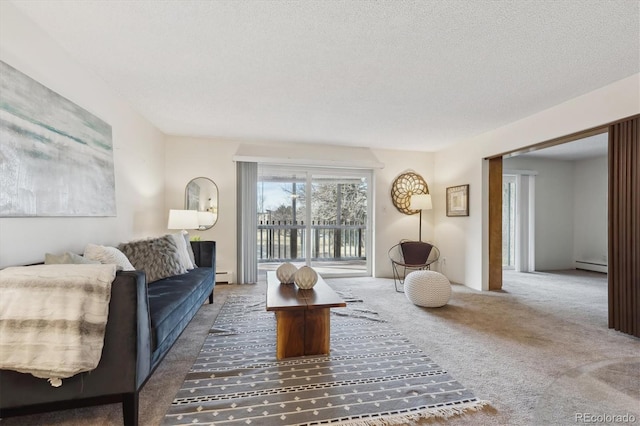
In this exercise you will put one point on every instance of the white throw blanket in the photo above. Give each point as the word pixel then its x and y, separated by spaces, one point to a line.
pixel 53 318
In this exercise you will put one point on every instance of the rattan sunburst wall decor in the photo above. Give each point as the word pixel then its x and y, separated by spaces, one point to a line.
pixel 403 187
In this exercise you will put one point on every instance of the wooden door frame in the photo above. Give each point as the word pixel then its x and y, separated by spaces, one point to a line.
pixel 495 223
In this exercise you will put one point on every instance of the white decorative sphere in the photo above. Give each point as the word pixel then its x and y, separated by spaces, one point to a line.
pixel 430 289
pixel 306 278
pixel 285 273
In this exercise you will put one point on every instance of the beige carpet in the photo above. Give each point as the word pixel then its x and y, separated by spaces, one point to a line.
pixel 539 350
pixel 517 347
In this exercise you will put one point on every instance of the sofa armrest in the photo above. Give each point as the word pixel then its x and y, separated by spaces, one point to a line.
pixel 130 305
pixel 124 366
pixel 205 253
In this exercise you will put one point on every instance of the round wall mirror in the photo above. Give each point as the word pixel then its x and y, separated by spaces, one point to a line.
pixel 201 194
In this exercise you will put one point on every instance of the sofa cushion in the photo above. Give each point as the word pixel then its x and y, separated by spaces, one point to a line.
pixel 158 257
pixel 173 301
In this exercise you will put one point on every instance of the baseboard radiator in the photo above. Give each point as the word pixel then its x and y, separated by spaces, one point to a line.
pixel 590 265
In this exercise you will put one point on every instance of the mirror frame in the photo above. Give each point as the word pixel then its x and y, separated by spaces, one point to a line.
pixel 213 205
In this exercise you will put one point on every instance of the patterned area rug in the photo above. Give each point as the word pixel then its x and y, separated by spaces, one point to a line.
pixel 373 376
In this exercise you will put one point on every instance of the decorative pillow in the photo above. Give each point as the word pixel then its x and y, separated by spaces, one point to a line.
pixel 67 258
pixel 157 257
pixel 108 255
pixel 192 255
pixel 182 250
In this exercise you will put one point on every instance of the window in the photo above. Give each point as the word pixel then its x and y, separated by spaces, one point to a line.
pixel 518 220
pixel 508 221
pixel 312 216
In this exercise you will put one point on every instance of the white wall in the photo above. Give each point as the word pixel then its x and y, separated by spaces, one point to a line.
pixel 138 152
pixel 187 158
pixel 459 238
pixel 590 241
pixel 554 210
pixel 464 240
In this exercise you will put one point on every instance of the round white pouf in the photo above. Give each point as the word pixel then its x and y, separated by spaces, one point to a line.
pixel 430 289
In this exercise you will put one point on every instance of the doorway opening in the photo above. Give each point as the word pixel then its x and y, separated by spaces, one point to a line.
pixel 528 238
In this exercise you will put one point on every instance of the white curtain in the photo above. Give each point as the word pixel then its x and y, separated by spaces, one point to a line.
pixel 247 222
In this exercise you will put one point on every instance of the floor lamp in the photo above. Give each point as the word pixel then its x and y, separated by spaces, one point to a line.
pixel 420 202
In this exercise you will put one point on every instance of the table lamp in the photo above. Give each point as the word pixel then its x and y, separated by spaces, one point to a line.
pixel 183 219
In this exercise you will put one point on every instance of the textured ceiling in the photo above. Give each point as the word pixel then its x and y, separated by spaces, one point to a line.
pixel 581 149
pixel 390 74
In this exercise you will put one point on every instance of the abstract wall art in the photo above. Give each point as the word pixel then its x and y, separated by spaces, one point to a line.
pixel 56 158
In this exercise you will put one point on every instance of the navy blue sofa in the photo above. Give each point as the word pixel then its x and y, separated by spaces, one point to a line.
pixel 144 322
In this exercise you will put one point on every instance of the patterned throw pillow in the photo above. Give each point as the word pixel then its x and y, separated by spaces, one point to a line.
pixel 108 255
pixel 67 258
pixel 157 257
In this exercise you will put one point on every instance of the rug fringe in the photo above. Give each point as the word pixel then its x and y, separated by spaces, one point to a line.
pixel 410 418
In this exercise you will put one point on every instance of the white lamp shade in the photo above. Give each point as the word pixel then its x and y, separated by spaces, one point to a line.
pixel 183 219
pixel 421 202
pixel 206 219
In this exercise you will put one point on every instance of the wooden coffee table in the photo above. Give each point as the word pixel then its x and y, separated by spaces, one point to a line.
pixel 302 316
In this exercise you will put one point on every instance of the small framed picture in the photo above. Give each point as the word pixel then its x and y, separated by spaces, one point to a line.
pixel 458 200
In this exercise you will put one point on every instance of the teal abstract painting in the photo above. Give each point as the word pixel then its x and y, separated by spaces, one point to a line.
pixel 56 158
